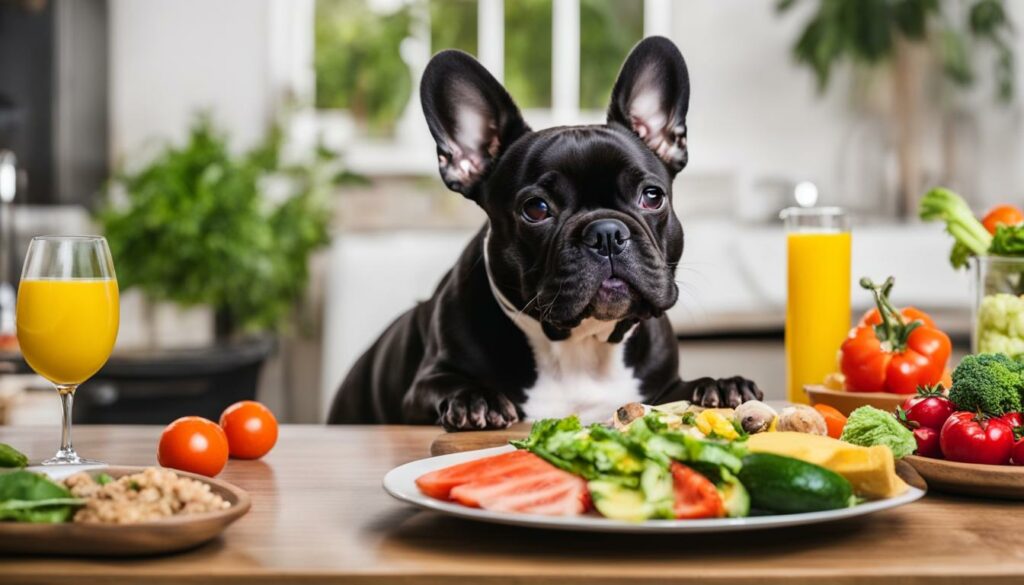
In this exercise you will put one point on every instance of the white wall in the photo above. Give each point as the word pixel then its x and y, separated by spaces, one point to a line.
pixel 751 111
pixel 169 60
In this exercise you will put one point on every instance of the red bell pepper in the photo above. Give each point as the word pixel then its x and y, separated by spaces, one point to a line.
pixel 893 351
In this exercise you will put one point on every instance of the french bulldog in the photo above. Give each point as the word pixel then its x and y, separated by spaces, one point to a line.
pixel 557 306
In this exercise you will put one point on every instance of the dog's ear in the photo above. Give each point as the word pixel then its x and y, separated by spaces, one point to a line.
pixel 651 97
pixel 471 116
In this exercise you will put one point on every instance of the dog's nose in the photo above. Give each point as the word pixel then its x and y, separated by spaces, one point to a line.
pixel 607 237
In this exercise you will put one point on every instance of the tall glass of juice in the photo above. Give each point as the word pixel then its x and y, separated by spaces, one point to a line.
pixel 818 294
pixel 67 318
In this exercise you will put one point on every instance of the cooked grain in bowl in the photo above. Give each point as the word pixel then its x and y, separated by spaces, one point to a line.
pixel 142 497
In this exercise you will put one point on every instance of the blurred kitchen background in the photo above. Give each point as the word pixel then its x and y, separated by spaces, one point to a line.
pixel 265 177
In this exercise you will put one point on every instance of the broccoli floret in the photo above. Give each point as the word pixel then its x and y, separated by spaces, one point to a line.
pixel 988 382
pixel 945 205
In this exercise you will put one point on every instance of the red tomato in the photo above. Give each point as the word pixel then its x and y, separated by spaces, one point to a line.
pixel 928 410
pixel 1018 452
pixel 968 438
pixel 695 495
pixel 1008 215
pixel 251 429
pixel 1013 419
pixel 927 442
pixel 194 444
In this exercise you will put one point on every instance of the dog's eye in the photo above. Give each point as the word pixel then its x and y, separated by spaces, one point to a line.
pixel 536 209
pixel 652 198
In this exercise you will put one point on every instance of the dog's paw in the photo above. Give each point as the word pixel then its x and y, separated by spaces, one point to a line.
pixel 466 411
pixel 724 392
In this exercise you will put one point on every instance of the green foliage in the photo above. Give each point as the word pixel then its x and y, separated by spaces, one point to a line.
pixel 357 61
pixel 528 52
pixel 608 30
pixel 453 25
pixel 195 227
pixel 867 31
pixel 359 68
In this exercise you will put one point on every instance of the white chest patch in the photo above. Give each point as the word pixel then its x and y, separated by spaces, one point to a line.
pixel 582 375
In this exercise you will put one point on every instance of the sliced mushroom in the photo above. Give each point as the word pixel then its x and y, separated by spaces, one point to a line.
pixel 754 416
pixel 802 419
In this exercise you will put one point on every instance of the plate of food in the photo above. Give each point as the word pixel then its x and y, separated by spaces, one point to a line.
pixel 113 511
pixel 677 472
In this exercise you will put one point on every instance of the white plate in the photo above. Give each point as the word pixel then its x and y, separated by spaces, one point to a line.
pixel 400 482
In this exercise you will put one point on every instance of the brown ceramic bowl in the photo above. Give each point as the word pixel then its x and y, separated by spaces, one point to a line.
pixel 846 402
pixel 973 479
pixel 121 540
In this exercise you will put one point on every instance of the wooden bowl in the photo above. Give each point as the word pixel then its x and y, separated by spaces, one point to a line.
pixel 973 479
pixel 846 402
pixel 122 540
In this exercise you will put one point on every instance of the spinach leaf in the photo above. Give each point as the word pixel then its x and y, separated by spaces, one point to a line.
pixel 31 497
pixel 11 457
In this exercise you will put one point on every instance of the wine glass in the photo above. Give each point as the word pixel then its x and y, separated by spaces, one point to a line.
pixel 67 318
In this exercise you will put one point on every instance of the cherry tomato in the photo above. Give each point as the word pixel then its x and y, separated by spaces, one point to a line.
pixel 968 438
pixel 928 410
pixel 834 420
pixel 695 495
pixel 1008 215
pixel 927 442
pixel 1013 419
pixel 194 444
pixel 251 429
pixel 1018 452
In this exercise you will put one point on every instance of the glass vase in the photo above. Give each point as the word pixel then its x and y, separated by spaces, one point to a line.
pixel 998 307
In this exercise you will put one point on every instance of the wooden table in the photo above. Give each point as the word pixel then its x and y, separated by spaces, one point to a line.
pixel 320 515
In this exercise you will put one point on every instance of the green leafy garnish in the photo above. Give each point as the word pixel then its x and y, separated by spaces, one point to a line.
pixel 32 497
pixel 11 457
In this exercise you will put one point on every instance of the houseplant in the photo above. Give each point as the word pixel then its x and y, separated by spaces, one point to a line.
pixel 906 38
pixel 200 225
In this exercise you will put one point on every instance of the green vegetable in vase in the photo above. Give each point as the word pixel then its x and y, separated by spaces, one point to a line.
pixel 990 383
pixel 868 426
pixel 972 239
pixel 11 457
pixel 1008 241
pixel 32 497
pixel 1001 325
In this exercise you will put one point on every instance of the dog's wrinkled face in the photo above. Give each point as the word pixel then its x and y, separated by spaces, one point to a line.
pixel 581 218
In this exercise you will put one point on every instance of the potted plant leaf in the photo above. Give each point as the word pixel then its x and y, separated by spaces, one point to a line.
pixel 199 225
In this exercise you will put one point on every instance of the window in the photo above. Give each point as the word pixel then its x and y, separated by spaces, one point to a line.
pixel 558 59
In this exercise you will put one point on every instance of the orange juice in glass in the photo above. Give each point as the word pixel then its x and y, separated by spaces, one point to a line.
pixel 67 318
pixel 818 294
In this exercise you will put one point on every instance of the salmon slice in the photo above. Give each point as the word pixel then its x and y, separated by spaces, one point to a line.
pixel 511 482
pixel 549 491
pixel 438 484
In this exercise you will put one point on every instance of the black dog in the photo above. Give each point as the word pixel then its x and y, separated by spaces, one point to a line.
pixel 557 305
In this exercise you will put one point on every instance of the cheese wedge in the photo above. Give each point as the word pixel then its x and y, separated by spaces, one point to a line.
pixel 871 470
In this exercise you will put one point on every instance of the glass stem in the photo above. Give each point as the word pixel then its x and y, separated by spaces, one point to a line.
pixel 67 400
